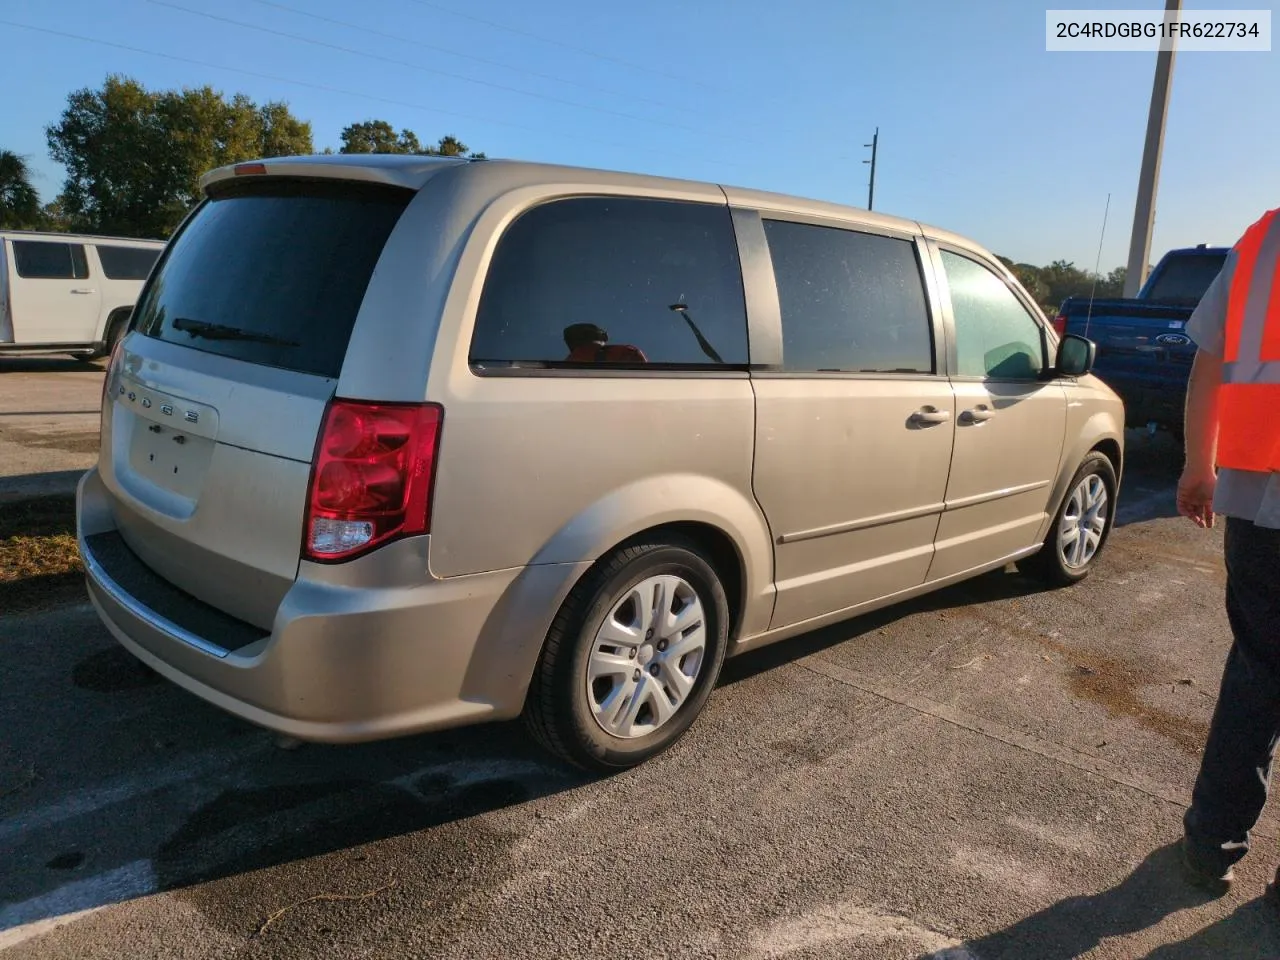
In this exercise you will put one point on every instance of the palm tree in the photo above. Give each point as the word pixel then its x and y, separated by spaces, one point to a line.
pixel 19 202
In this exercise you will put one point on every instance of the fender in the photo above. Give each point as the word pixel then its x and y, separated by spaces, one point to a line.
pixel 676 498
pixel 507 650
pixel 1100 427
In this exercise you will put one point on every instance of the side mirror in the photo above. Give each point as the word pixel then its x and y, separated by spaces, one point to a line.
pixel 1075 356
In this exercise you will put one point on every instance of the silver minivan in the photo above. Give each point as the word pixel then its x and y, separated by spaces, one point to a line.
pixel 396 444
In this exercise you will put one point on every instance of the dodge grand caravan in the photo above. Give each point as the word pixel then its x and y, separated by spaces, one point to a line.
pixel 396 444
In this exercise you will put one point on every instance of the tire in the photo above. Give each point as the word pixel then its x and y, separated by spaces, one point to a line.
pixel 568 714
pixel 1051 563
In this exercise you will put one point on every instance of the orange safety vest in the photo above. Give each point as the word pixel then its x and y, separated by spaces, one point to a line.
pixel 1249 402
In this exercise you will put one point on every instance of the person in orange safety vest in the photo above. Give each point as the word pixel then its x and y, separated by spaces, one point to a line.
pixel 1233 468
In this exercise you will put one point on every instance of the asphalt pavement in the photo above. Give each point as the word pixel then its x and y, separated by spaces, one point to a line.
pixel 49 411
pixel 990 772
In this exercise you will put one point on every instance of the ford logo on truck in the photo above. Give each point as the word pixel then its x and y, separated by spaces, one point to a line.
pixel 1172 339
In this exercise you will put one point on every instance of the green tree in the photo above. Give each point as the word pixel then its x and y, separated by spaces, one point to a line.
pixel 378 136
pixel 1064 279
pixel 134 157
pixel 1112 285
pixel 19 202
pixel 281 133
pixel 1029 277
pixel 54 217
pixel 452 147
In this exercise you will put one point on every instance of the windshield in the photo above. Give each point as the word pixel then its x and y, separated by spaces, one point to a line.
pixel 1183 279
pixel 273 272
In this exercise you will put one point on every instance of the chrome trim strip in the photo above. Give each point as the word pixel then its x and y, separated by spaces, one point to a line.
pixel 995 495
pixel 913 513
pixel 851 525
pixel 151 618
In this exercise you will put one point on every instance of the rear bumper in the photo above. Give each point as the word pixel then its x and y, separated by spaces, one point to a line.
pixel 360 651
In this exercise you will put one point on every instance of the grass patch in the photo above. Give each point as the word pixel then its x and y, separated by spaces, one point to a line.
pixel 40 564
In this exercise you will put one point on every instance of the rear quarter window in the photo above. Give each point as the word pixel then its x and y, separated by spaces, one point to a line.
pixel 127 263
pixel 272 272
pixel 614 282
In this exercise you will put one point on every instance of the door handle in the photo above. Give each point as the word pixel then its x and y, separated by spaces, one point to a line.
pixel 84 290
pixel 977 415
pixel 930 415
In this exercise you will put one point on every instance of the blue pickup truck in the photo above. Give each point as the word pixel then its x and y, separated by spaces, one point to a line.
pixel 1144 353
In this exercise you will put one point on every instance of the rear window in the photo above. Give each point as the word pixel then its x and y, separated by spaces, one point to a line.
pixel 614 282
pixel 272 272
pixel 127 263
pixel 42 260
pixel 1183 280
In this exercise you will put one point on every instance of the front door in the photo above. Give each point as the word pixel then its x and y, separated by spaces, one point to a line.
pixel 51 296
pixel 854 431
pixel 1010 421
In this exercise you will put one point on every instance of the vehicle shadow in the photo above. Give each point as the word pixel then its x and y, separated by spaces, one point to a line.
pixel 168 793
pixel 1154 890
pixel 992 587
pixel 49 364
pixel 30 486
pixel 1148 489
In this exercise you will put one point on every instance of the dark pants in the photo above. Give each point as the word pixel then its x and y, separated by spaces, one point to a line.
pixel 1236 770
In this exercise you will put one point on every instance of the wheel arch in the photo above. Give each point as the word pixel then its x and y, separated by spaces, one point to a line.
pixel 727 526
pixel 1098 434
pixel 717 548
pixel 116 319
pixel 727 523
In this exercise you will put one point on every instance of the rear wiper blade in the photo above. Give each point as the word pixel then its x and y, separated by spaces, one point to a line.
pixel 219 331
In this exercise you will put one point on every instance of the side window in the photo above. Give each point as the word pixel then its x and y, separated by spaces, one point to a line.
pixel 611 280
pixel 44 260
pixel 851 302
pixel 996 337
pixel 127 263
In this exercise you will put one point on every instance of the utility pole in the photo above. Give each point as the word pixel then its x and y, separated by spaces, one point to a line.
pixel 871 187
pixel 1144 211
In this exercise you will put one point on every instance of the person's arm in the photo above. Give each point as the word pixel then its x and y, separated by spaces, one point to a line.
pixel 1207 327
pixel 1199 476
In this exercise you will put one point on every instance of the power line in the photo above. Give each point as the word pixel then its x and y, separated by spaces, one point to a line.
pixel 390 36
pixel 330 89
pixel 467 56
pixel 568 46
pixel 445 73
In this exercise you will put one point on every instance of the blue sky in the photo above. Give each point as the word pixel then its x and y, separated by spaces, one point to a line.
pixel 982 131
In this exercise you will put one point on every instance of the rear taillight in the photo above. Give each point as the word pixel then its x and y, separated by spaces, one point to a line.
pixel 1060 324
pixel 113 371
pixel 371 477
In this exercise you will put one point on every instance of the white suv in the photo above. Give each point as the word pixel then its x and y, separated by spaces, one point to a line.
pixel 62 293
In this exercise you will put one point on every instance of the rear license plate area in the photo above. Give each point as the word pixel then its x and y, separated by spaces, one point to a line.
pixel 169 458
